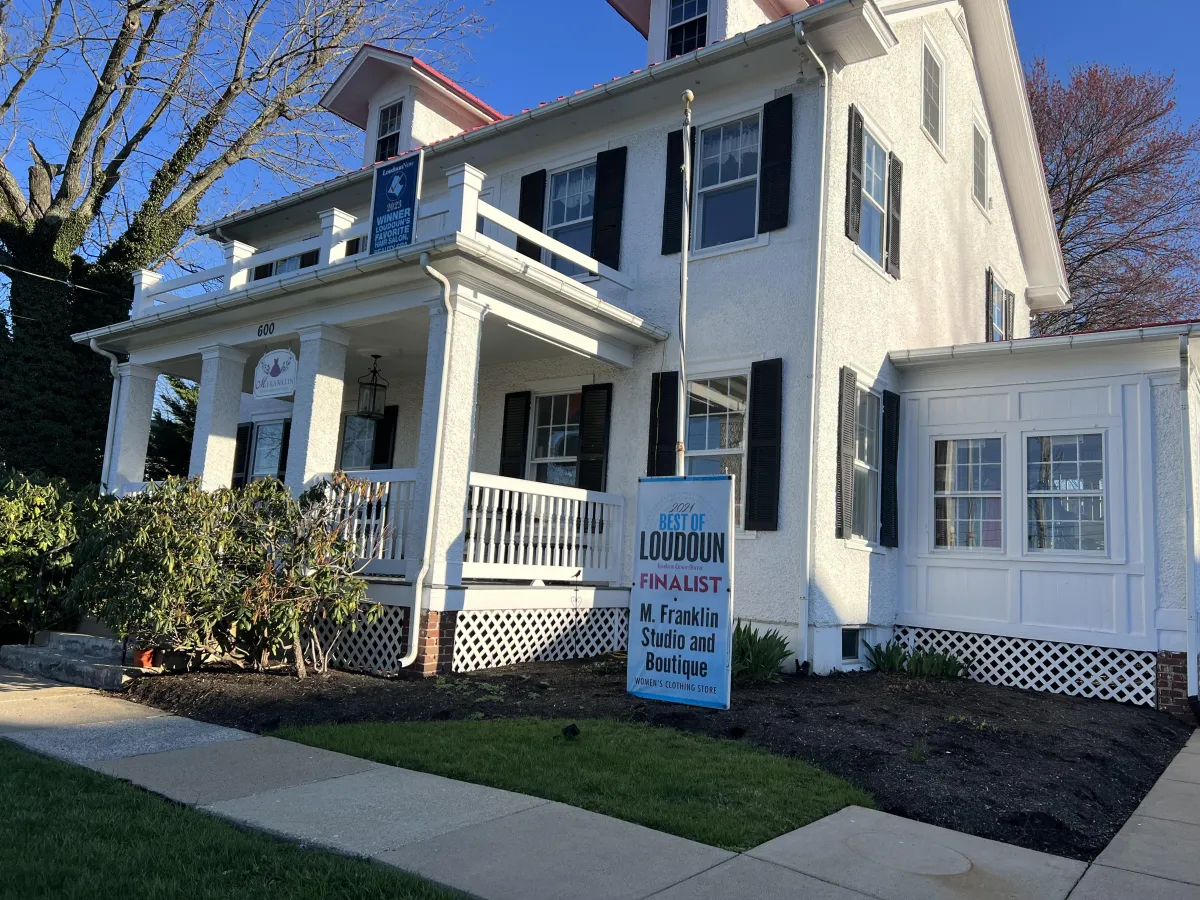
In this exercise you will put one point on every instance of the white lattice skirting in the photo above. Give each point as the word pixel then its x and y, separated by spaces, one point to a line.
pixel 1077 669
pixel 488 638
pixel 375 649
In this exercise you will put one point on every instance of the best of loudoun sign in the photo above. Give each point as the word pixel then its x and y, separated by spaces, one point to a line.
pixel 681 605
pixel 395 195
pixel 275 375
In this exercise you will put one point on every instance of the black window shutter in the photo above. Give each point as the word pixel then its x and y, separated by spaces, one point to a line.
pixel 847 438
pixel 854 175
pixel 283 448
pixel 987 306
pixel 895 182
pixel 610 207
pixel 775 182
pixel 514 438
pixel 664 406
pixel 672 230
pixel 595 414
pixel 385 438
pixel 889 502
pixel 241 453
pixel 531 209
pixel 1010 303
pixel 764 449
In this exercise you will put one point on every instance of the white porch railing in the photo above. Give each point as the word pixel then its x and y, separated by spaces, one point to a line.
pixel 524 530
pixel 376 511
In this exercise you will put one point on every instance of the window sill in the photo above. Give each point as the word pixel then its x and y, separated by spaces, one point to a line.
pixel 740 535
pixel 873 264
pixel 979 206
pixel 863 546
pixel 936 146
pixel 760 240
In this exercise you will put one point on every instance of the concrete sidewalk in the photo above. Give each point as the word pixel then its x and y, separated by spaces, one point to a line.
pixel 499 845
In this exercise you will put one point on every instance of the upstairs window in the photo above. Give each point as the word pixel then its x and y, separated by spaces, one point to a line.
pixel 979 167
pixel 727 191
pixel 931 95
pixel 874 198
pixel 387 137
pixel 283 266
pixel 569 219
pixel 687 26
pixel 555 458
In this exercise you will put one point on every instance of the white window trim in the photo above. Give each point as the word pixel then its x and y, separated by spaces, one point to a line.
pixel 877 467
pixel 998 283
pixel 1095 555
pixel 1004 493
pixel 875 385
pixel 929 44
pixel 575 387
pixel 695 250
pixel 378 114
pixel 986 206
pixel 667 26
pixel 548 257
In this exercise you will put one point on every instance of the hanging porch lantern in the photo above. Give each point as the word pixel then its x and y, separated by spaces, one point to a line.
pixel 372 392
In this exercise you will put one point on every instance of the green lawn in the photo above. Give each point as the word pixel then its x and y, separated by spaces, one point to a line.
pixel 68 833
pixel 718 792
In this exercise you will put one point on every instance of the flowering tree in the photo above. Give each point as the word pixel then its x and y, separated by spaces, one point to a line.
pixel 1123 180
pixel 117 119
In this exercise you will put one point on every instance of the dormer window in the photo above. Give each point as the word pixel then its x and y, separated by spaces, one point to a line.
pixel 387 138
pixel 687 26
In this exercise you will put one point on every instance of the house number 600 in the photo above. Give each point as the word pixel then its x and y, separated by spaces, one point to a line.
pixel 266 329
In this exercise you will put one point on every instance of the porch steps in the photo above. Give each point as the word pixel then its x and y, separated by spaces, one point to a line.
pixel 82 659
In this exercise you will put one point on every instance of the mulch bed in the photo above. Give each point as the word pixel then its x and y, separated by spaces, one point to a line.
pixel 1043 771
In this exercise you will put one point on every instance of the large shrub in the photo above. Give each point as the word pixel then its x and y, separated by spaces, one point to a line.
pixel 246 574
pixel 41 520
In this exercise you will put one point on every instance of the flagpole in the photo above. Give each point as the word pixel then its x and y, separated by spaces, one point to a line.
pixel 685 247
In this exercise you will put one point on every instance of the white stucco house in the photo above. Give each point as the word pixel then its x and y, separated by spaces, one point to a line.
pixel 870 235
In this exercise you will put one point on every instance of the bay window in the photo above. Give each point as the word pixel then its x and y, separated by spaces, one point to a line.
pixel 1065 492
pixel 967 493
pixel 727 187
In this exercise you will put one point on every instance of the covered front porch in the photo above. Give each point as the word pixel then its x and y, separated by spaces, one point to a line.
pixel 481 482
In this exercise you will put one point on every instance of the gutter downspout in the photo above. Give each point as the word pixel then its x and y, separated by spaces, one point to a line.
pixel 434 469
pixel 112 411
pixel 1190 528
pixel 818 291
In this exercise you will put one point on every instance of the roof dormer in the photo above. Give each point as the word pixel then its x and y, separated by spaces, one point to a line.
pixel 401 103
pixel 675 27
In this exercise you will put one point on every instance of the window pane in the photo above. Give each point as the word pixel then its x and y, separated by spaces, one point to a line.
pixel 979 167
pixel 578 237
pixel 932 97
pixel 556 473
pixel 267 446
pixel 870 235
pixel 728 214
pixel 874 170
pixel 358 443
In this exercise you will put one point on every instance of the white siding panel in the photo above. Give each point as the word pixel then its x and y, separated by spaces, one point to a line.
pixel 1066 404
pixel 968 410
pixel 969 593
pixel 1069 600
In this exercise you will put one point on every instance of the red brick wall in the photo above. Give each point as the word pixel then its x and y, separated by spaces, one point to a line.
pixel 437 642
pixel 1171 682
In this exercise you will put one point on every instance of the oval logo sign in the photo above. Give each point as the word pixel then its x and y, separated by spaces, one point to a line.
pixel 275 375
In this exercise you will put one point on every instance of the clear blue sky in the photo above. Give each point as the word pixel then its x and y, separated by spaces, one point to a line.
pixel 536 51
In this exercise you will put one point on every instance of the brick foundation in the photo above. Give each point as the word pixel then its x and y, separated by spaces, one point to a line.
pixel 1171 684
pixel 436 652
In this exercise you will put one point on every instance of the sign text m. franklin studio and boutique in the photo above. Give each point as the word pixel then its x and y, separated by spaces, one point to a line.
pixel 681 606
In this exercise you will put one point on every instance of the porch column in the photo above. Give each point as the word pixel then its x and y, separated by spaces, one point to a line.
pixel 457 443
pixel 131 430
pixel 214 441
pixel 317 411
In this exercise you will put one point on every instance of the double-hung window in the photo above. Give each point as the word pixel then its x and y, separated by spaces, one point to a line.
pixel 1065 490
pixel 873 231
pixel 716 429
pixel 358 443
pixel 979 167
pixel 997 312
pixel 569 219
pixel 270 450
pixel 387 137
pixel 727 189
pixel 866 468
pixel 931 95
pixel 283 266
pixel 687 26
pixel 967 493
pixel 555 458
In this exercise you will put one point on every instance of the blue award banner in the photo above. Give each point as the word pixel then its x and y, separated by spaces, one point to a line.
pixel 681 605
pixel 394 202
